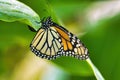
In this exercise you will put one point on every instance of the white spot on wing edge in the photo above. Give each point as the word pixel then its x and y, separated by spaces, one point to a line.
pixel 75 50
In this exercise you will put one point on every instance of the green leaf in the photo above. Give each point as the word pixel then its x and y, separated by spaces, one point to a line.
pixel 97 73
pixel 12 10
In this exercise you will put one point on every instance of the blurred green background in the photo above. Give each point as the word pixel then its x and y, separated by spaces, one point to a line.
pixel 96 23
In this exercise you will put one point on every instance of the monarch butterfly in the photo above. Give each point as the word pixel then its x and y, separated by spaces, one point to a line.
pixel 52 41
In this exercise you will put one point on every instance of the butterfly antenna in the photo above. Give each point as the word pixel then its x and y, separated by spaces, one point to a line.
pixel 48 20
pixel 42 20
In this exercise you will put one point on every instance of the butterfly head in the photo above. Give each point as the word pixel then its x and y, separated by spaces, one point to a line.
pixel 47 22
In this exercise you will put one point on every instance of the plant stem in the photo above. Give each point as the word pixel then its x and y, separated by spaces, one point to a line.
pixel 97 73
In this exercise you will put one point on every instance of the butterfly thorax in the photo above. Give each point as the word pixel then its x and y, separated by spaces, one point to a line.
pixel 47 23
